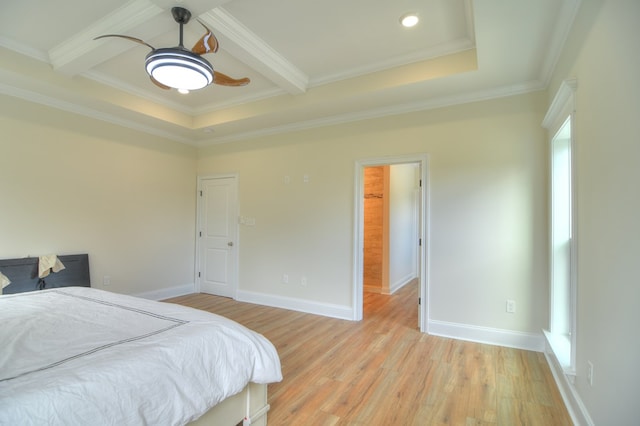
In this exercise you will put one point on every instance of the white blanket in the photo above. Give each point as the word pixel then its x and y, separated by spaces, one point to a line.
pixel 79 356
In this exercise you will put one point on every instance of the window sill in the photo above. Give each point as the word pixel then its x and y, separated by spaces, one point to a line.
pixel 560 345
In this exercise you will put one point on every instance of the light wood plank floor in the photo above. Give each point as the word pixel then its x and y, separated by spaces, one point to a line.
pixel 383 371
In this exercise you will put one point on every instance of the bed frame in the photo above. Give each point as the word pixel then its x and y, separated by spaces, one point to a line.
pixel 23 273
pixel 248 407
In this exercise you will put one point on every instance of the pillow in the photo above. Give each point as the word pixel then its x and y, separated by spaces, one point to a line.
pixel 4 281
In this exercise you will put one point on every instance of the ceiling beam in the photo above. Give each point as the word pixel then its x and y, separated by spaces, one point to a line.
pixel 80 52
pixel 250 49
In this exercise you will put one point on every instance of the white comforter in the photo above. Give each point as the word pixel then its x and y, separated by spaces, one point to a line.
pixel 82 356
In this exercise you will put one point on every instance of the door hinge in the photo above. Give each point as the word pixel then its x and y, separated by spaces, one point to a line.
pixel 419 301
pixel 201 193
pixel 201 233
pixel 420 242
pixel 420 183
pixel 198 274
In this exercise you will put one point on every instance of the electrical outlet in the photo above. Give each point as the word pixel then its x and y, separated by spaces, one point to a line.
pixel 590 373
pixel 303 281
pixel 106 280
pixel 285 278
pixel 511 306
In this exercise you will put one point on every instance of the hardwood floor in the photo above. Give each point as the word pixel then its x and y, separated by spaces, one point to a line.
pixel 383 371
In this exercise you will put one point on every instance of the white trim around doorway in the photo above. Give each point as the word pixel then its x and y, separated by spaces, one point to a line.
pixel 358 287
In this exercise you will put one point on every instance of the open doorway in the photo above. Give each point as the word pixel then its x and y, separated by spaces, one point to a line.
pixel 391 211
pixel 391 244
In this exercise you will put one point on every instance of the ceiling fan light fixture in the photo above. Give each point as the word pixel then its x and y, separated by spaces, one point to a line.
pixel 179 68
pixel 409 20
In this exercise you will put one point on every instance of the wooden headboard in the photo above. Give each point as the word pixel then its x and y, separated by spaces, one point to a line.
pixel 23 273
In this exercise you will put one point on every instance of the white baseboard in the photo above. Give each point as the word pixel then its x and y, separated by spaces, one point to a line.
pixel 491 336
pixel 293 304
pixel 393 287
pixel 372 289
pixel 578 412
pixel 167 293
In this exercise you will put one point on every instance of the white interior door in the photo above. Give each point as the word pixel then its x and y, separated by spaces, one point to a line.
pixel 217 236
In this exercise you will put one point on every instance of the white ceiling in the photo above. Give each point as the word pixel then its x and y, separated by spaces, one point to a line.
pixel 311 62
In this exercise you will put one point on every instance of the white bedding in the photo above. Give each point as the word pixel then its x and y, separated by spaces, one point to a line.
pixel 80 356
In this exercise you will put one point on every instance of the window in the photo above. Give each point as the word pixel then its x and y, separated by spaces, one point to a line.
pixel 562 276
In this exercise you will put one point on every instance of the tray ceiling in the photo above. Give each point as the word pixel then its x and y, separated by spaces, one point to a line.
pixel 311 63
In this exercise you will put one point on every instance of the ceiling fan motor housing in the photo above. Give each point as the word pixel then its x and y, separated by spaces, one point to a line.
pixel 179 68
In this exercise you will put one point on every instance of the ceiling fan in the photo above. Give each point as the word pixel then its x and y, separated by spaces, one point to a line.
pixel 181 68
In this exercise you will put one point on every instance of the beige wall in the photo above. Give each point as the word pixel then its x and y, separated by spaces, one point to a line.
pixel 404 230
pixel 488 208
pixel 602 54
pixel 69 184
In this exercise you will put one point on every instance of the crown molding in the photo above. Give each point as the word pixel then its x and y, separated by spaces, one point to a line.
pixel 562 27
pixel 398 61
pixel 24 50
pixel 137 91
pixel 238 101
pixel 161 100
pixel 562 104
pixel 83 110
pixel 493 93
pixel 471 28
pixel 435 103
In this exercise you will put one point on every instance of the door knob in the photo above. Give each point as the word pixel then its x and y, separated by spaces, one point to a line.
pixel 230 243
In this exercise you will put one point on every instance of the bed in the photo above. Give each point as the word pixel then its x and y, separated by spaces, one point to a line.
pixel 79 355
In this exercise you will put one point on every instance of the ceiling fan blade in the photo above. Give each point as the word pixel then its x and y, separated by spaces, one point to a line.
pixel 208 43
pixel 137 40
pixel 225 80
pixel 160 85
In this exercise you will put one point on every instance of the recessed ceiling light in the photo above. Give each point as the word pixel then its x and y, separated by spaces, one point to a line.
pixel 409 20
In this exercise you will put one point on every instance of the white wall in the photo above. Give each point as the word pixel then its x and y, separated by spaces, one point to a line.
pixel 488 208
pixel 602 54
pixel 403 224
pixel 69 184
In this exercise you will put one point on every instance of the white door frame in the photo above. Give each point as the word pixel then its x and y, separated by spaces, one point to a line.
pixel 236 252
pixel 423 223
